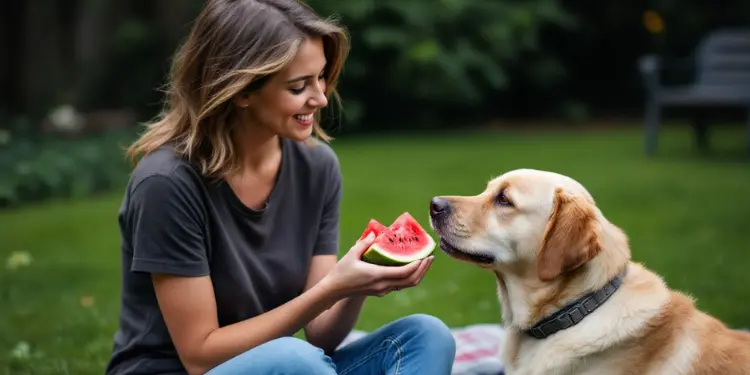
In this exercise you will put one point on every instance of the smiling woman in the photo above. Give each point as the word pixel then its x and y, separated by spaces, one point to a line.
pixel 230 220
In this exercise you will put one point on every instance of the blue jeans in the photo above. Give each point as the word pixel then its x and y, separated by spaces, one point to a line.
pixel 416 344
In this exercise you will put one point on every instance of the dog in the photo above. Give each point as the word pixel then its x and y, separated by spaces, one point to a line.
pixel 572 299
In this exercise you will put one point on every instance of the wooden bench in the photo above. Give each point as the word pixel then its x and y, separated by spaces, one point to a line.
pixel 721 77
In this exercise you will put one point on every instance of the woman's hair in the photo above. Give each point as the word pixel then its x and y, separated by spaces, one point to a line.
pixel 233 47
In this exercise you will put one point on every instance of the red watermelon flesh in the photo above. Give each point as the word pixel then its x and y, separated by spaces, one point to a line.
pixel 403 242
pixel 373 226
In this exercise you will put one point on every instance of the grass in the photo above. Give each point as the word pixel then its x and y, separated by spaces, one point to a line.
pixel 687 217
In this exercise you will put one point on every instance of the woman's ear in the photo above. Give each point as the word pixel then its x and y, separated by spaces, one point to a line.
pixel 241 100
pixel 571 238
pixel 250 91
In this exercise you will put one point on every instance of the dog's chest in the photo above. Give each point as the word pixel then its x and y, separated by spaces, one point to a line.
pixel 526 356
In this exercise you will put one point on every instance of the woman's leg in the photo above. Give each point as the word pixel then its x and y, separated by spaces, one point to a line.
pixel 283 356
pixel 416 344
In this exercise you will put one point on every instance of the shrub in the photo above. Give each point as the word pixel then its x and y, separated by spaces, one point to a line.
pixel 426 60
pixel 40 167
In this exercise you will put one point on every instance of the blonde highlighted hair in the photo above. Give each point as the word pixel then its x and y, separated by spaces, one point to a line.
pixel 233 47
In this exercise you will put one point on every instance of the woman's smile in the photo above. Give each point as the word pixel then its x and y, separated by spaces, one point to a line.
pixel 304 120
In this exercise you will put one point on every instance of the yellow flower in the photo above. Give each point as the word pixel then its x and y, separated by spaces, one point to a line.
pixel 22 350
pixel 18 259
pixel 653 22
pixel 87 301
pixel 4 137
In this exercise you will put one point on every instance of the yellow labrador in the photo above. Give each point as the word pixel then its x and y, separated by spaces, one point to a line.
pixel 572 300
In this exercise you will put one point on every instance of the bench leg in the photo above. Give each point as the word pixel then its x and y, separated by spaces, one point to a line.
pixel 700 127
pixel 652 124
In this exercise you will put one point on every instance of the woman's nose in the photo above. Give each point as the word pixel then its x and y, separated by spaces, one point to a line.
pixel 319 99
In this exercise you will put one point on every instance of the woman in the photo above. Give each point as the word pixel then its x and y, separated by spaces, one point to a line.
pixel 230 220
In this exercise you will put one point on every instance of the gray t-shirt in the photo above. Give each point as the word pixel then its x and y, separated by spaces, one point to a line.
pixel 175 221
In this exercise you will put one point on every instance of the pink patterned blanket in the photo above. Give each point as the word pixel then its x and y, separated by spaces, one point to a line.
pixel 477 348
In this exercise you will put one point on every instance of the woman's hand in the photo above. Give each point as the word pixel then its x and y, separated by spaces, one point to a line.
pixel 352 276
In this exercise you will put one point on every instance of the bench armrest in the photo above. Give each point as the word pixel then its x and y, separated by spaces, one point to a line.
pixel 649 65
pixel 652 66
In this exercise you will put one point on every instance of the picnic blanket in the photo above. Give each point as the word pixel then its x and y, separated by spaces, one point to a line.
pixel 477 348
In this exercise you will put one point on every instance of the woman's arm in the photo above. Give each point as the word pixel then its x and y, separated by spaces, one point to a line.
pixel 164 221
pixel 330 328
pixel 189 310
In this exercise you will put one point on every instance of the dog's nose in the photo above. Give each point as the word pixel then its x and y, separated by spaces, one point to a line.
pixel 439 205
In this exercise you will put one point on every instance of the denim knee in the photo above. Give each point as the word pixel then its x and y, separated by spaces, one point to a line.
pixel 282 356
pixel 431 331
pixel 291 355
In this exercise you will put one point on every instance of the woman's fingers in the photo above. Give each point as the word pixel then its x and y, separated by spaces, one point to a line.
pixel 360 247
pixel 416 278
pixel 417 275
pixel 410 280
pixel 394 272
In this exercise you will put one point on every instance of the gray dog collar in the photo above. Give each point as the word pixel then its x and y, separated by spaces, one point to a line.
pixel 574 312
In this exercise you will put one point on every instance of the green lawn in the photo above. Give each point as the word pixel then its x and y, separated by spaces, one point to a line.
pixel 688 218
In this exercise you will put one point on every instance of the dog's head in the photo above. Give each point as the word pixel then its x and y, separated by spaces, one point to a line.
pixel 525 217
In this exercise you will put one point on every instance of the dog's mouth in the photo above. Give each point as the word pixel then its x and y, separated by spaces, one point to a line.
pixel 455 252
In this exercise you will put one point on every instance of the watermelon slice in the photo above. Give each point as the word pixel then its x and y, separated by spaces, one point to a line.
pixel 403 242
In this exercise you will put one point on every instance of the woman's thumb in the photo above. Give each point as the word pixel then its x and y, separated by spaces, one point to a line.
pixel 361 246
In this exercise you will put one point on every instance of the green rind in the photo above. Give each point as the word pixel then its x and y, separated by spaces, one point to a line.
pixel 376 255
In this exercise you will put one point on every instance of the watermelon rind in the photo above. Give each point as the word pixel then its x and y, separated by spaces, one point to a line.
pixel 377 255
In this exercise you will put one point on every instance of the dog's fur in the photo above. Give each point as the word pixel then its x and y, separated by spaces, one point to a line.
pixel 547 242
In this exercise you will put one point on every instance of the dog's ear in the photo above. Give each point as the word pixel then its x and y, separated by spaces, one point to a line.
pixel 571 238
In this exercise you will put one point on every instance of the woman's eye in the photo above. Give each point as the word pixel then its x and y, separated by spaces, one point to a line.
pixel 300 90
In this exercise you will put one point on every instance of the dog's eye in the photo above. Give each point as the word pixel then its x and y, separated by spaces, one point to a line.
pixel 503 200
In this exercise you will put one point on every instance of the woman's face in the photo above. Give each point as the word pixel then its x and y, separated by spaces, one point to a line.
pixel 285 104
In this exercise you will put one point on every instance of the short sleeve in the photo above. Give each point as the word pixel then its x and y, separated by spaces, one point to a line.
pixel 328 232
pixel 166 228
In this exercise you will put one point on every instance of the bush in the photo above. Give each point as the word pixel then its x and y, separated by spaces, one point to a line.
pixel 424 61
pixel 36 168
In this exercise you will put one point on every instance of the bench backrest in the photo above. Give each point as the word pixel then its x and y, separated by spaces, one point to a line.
pixel 723 58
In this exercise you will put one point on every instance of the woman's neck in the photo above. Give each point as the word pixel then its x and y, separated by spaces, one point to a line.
pixel 258 148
